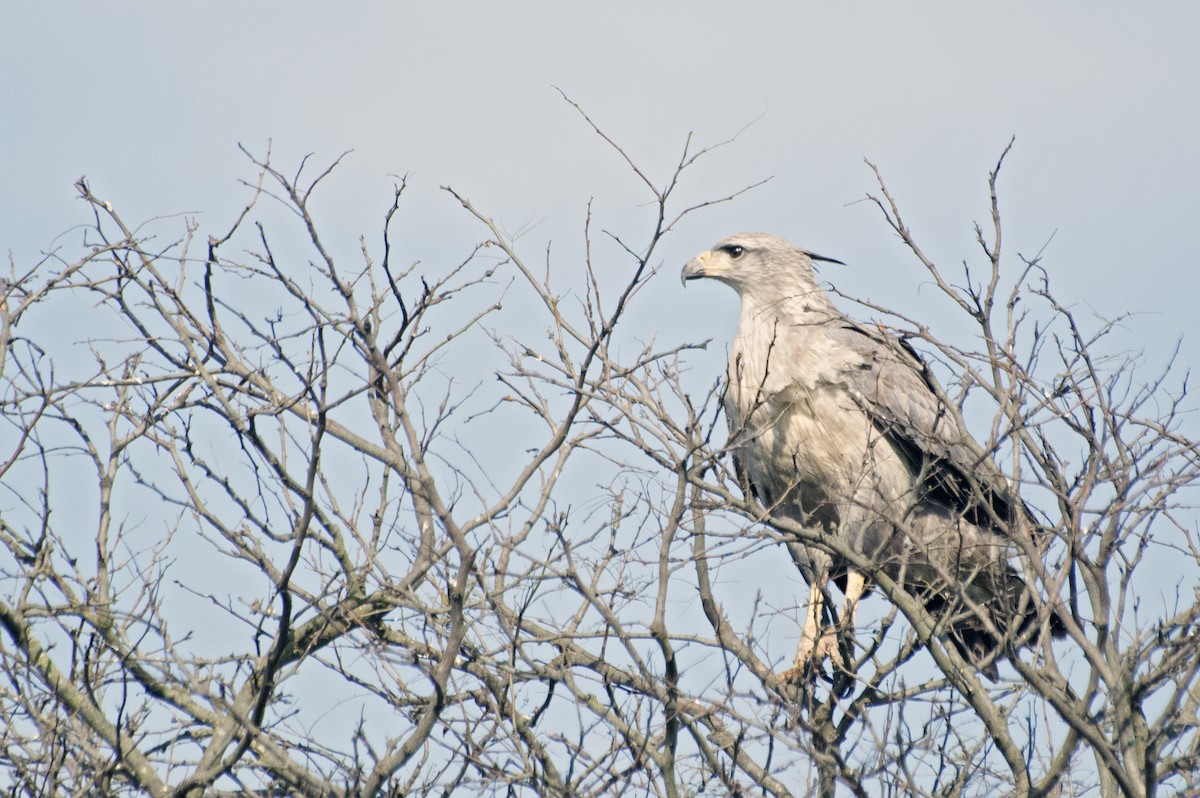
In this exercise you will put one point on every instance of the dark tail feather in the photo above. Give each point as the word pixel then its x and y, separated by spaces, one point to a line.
pixel 982 648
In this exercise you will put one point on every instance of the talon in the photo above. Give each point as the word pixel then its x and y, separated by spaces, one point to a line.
pixel 819 643
pixel 794 676
pixel 810 656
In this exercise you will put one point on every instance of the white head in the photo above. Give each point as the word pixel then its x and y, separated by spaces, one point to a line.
pixel 763 267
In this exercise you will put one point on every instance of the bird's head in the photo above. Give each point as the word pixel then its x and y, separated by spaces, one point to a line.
pixel 754 261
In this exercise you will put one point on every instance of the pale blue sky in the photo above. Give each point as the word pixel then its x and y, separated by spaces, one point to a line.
pixel 150 100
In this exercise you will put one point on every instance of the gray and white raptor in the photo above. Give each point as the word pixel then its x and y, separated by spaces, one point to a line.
pixel 837 425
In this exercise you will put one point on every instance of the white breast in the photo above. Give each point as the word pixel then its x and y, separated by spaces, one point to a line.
pixel 798 431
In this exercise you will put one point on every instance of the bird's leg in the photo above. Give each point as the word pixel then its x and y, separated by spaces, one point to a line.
pixel 816 641
pixel 856 585
pixel 812 626
pixel 819 642
pixel 843 676
pixel 827 644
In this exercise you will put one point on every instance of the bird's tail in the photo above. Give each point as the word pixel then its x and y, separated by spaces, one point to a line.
pixel 992 615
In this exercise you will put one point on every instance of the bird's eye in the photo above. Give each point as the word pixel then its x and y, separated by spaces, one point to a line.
pixel 734 251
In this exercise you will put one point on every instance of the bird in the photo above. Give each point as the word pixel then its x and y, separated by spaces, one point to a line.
pixel 839 426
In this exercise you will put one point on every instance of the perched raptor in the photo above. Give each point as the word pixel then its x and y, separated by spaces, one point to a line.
pixel 838 426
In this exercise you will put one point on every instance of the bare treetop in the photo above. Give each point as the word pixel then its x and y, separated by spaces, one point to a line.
pixel 840 427
pixel 290 513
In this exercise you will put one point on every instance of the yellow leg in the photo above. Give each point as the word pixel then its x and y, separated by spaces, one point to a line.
pixel 812 627
pixel 818 643
pixel 815 641
pixel 856 585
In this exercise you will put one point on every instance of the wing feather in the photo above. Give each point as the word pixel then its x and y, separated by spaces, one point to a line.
pixel 893 386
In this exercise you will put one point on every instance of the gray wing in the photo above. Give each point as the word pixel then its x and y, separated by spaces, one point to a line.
pixel 893 386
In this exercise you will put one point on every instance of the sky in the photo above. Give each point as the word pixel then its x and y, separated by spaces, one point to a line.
pixel 151 101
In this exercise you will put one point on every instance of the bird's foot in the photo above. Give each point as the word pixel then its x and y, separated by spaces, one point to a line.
pixel 810 656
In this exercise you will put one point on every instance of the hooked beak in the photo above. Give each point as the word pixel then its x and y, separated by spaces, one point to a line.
pixel 696 268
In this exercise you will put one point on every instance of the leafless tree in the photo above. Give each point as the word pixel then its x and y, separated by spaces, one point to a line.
pixel 284 515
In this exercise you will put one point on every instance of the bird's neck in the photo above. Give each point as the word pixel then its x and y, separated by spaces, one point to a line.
pixel 772 332
pixel 799 307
